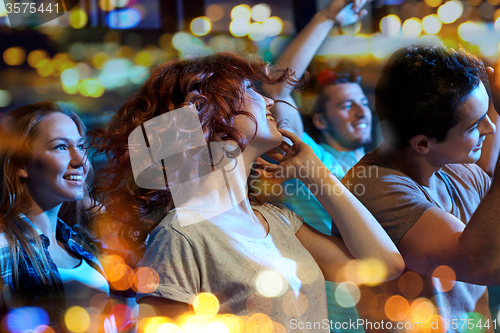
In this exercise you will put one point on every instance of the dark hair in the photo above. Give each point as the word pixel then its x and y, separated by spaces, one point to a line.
pixel 18 129
pixel 215 86
pixel 319 106
pixel 421 89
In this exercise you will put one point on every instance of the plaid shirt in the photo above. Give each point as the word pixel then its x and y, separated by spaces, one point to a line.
pixel 32 291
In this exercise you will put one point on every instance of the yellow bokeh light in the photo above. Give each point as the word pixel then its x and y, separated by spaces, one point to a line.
pixel 431 24
pixel 146 280
pixel 496 14
pixel 34 57
pixel 215 12
pixel 122 279
pixel 475 2
pixel 168 328
pixel 450 11
pixel 106 5
pixel 272 26
pixel 216 327
pixel 70 89
pixel 433 3
pixel 468 31
pixel 45 68
pixel 347 294
pixel 261 12
pixel 412 27
pixel 14 56
pixel 255 32
pixel 270 284
pixel 259 323
pixel 200 26
pixel 371 271
pixel 390 25
pixel 77 319
pixel 241 12
pixel 144 58
pixel 494 2
pixel 352 29
pixel 239 27
pixel 5 98
pixel 421 310
pixel 99 59
pixel 206 304
pixel 78 18
pixel 152 325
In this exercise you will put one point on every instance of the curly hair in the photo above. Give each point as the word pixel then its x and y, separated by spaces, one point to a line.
pixel 421 89
pixel 215 85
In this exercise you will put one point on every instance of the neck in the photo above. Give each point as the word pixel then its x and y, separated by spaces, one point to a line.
pixel 413 164
pixel 45 220
pixel 358 152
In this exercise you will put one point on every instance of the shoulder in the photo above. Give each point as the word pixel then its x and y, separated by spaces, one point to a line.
pixel 280 215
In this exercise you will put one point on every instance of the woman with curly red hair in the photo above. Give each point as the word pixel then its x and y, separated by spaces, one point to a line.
pixel 180 156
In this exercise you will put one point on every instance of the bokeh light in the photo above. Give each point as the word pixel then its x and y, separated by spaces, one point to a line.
pixel 410 284
pixel 78 18
pixel 216 327
pixel 421 310
pixel 295 305
pixel 124 18
pixel 206 304
pixel 390 25
pixel 124 316
pixel 45 67
pixel 255 32
pixel 215 12
pixel 259 323
pixel 433 3
pixel 397 308
pixel 14 56
pixel 352 29
pixel 3 10
pixel 77 319
pixel 468 31
pixel 431 24
pixel 35 56
pixel 200 26
pixel 239 27
pixel 497 25
pixel 5 98
pixel 347 294
pixel 271 284
pixel 26 319
pixel 272 26
pixel 450 11
pixel 443 278
pixel 261 12
pixel 241 12
pixel 412 27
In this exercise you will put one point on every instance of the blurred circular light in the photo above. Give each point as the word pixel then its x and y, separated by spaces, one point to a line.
pixel 497 25
pixel 271 284
pixel 106 5
pixel 214 12
pixel 5 98
pixel 494 2
pixel 180 40
pixel 433 3
pixel 241 12
pixel 488 49
pixel 45 67
pixel 78 18
pixel 352 29
pixel 261 12
pixel 216 327
pixel 14 56
pixel 412 27
pixel 431 24
pixel 99 59
pixel 206 304
pixel 468 31
pixel 272 26
pixel 450 11
pixel 255 32
pixel 200 26
pixel 3 10
pixel 144 59
pixel 239 27
pixel 77 319
pixel 390 25
pixel 123 18
pixel 70 77
pixel 26 319
pixel 347 294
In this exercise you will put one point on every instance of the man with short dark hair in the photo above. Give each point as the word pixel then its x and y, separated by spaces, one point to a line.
pixel 432 190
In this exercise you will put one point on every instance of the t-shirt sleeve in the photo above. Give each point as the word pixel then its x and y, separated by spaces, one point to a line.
pixel 172 256
pixel 295 221
pixel 394 200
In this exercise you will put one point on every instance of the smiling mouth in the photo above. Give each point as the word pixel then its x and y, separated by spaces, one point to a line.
pixel 361 126
pixel 74 177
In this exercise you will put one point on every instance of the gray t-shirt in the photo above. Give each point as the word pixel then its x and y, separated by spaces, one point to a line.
pixel 397 202
pixel 240 270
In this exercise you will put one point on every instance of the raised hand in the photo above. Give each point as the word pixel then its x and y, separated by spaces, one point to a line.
pixel 298 161
pixel 345 12
pixel 494 78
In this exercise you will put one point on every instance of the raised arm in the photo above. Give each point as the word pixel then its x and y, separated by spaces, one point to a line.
pixel 491 145
pixel 299 53
pixel 362 235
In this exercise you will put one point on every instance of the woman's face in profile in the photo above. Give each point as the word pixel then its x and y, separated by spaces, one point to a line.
pixel 58 168
pixel 260 107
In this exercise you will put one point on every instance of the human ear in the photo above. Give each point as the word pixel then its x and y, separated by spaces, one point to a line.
pixel 22 172
pixel 420 143
pixel 319 122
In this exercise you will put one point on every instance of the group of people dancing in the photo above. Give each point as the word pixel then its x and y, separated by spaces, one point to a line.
pixel 181 152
